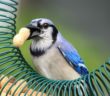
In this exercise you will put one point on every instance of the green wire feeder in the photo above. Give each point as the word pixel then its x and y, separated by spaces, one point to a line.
pixel 12 63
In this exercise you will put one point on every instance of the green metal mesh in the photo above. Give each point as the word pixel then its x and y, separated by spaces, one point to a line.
pixel 12 63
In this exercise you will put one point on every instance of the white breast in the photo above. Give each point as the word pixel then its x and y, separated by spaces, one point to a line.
pixel 53 66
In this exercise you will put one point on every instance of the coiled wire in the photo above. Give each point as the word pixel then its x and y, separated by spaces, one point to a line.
pixel 12 63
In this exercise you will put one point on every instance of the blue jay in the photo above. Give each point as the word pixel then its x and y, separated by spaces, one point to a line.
pixel 52 55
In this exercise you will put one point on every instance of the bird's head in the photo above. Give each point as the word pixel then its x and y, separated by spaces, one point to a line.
pixel 43 33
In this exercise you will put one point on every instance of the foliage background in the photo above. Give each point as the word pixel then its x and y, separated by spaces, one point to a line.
pixel 84 23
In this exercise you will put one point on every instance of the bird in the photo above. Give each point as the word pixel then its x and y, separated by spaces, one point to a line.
pixel 52 55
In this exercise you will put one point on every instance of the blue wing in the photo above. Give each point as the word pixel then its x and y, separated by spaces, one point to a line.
pixel 71 55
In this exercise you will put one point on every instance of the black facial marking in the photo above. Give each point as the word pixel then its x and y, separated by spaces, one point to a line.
pixel 38 24
pixel 38 52
pixel 55 32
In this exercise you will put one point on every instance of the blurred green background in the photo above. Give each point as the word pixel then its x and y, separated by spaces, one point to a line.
pixel 84 23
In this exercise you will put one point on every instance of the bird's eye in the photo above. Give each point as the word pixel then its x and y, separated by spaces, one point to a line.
pixel 45 25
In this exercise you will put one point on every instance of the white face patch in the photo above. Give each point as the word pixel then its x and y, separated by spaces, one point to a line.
pixel 46 40
pixel 46 33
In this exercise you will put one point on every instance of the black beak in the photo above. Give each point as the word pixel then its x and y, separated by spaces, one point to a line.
pixel 33 29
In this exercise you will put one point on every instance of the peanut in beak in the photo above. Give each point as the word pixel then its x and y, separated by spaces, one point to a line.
pixel 21 37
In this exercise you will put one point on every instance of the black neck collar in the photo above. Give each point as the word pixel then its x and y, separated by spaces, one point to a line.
pixel 39 52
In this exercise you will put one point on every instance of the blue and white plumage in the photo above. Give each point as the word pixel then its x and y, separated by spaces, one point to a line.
pixel 72 56
pixel 52 55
